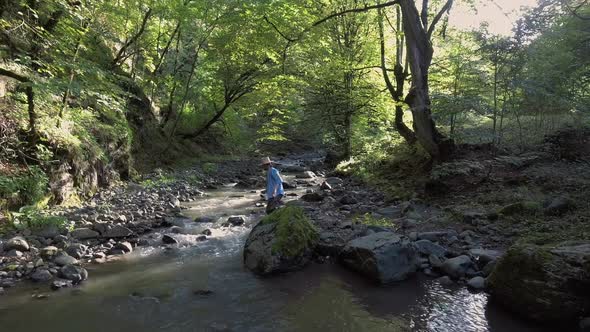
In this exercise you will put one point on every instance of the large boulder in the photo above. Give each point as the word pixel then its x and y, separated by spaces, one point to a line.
pixel 384 257
pixel 282 241
pixel 544 283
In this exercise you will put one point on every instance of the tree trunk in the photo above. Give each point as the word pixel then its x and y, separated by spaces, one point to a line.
pixel 30 100
pixel 397 91
pixel 420 53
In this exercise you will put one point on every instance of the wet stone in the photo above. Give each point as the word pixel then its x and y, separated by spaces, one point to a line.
pixel 41 275
pixel 167 239
pixel 59 284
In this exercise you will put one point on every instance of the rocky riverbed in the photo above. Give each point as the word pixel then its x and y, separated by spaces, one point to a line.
pixel 384 239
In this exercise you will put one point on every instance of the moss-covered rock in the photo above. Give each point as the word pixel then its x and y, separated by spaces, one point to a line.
pixel 282 241
pixel 544 283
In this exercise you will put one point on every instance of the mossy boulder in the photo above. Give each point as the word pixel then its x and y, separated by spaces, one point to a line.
pixel 283 241
pixel 544 283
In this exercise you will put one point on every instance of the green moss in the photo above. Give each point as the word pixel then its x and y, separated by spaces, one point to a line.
pixel 369 220
pixel 521 208
pixel 522 261
pixel 295 233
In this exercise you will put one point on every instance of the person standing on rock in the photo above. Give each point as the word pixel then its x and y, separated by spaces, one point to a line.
pixel 274 186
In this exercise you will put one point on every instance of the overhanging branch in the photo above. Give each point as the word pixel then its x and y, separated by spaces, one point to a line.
pixel 356 10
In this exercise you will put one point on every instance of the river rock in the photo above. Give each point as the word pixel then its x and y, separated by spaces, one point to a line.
pixel 325 186
pixel 289 185
pixel 49 251
pixel 76 250
pixel 432 236
pixel 306 175
pixel 41 275
pixel 65 259
pixel 476 283
pixel 117 231
pixel 293 169
pixel 544 283
pixel 458 267
pixel 59 284
pixel 204 219
pixel 206 232
pixel 391 212
pixel 435 261
pixel 348 200
pixel 445 281
pixel 427 248
pixel 282 241
pixel 176 230
pixel 17 243
pixel 126 247
pixel 74 273
pixel 313 197
pixel 384 257
pixel 14 253
pixel 334 182
pixel 167 239
pixel 236 220
pixel 484 256
pixel 49 232
pixel 84 233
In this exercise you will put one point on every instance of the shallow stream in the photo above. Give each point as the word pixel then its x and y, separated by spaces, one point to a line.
pixel 203 287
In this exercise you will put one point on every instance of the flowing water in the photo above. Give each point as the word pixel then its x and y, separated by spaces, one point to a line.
pixel 154 289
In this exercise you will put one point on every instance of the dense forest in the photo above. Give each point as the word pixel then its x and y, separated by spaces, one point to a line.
pixel 102 88
pixel 95 94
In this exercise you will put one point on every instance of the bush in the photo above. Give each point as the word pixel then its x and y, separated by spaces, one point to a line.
pixel 26 188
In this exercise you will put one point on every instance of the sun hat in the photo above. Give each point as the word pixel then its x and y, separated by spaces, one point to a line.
pixel 265 161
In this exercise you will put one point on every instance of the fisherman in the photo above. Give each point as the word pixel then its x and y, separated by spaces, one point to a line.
pixel 274 186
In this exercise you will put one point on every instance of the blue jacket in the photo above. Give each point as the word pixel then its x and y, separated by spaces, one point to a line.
pixel 273 179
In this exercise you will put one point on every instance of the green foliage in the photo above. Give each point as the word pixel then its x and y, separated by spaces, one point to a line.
pixel 158 180
pixel 209 168
pixel 295 234
pixel 25 188
pixel 370 220
pixel 32 218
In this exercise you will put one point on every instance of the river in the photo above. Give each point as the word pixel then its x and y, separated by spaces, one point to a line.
pixel 203 286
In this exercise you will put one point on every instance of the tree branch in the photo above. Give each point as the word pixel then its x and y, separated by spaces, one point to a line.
pixel 288 39
pixel 445 8
pixel 133 39
pixel 356 10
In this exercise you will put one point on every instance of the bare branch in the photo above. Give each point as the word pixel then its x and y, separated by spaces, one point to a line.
pixel 445 9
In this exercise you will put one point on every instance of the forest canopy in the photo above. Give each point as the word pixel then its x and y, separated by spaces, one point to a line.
pixel 109 87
